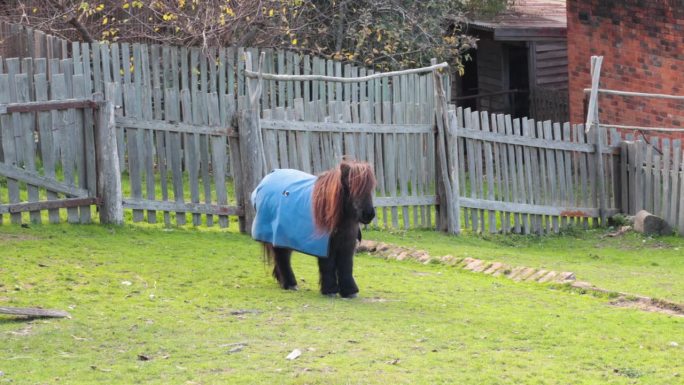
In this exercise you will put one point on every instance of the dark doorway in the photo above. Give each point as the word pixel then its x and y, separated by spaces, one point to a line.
pixel 518 79
pixel 467 84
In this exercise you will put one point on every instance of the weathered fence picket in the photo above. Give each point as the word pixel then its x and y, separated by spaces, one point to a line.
pixel 654 182
pixel 525 176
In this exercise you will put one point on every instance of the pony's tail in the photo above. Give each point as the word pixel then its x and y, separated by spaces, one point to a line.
pixel 268 256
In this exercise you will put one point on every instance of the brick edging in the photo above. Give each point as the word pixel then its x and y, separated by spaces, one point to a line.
pixel 496 269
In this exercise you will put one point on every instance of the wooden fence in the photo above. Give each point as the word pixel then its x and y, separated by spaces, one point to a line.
pixel 176 127
pixel 522 176
pixel 369 122
pixel 653 175
pixel 400 148
pixel 24 42
pixel 174 119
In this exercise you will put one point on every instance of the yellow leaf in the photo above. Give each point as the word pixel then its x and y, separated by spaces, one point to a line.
pixel 105 20
pixel 35 10
pixel 270 13
pixel 126 5
pixel 294 41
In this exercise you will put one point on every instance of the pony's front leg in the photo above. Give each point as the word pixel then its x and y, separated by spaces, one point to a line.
pixel 344 261
pixel 328 276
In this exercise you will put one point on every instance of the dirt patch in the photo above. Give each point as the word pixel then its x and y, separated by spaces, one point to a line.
pixel 17 237
pixel 650 305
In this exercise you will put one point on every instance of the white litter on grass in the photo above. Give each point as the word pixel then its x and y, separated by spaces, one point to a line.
pixel 294 354
pixel 674 344
pixel 126 283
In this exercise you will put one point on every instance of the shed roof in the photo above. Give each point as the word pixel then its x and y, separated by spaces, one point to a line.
pixel 527 20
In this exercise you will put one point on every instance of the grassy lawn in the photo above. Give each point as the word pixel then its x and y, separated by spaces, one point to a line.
pixel 630 263
pixel 201 307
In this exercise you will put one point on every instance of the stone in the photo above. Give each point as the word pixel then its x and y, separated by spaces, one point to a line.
pixel 524 274
pixel 402 256
pixel 515 271
pixel 366 246
pixel 649 224
pixel 472 265
pixel 536 275
pixel 548 277
pixel 565 277
pixel 493 267
pixel 466 261
pixel 482 267
pixel 504 270
pixel 380 247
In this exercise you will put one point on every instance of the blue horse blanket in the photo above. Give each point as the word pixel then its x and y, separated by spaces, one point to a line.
pixel 284 213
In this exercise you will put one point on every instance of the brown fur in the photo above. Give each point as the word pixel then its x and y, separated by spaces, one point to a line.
pixel 328 191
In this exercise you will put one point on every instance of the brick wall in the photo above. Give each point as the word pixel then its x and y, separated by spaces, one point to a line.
pixel 642 44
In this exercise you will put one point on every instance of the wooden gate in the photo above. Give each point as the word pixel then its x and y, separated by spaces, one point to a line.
pixel 163 159
pixel 47 160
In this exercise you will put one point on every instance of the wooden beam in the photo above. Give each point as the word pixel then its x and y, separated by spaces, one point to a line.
pixel 35 179
pixel 405 201
pixel 587 212
pixel 157 125
pixel 256 74
pixel 347 127
pixel 33 312
pixel 47 105
pixel 195 208
pixel 47 205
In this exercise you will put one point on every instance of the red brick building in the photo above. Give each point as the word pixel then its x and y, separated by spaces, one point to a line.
pixel 642 42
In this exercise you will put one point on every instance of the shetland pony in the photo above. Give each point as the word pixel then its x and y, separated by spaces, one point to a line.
pixel 315 215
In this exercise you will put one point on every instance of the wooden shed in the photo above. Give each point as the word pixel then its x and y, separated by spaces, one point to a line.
pixel 520 65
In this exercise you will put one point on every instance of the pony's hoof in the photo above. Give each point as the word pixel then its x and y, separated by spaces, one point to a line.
pixel 330 295
pixel 351 296
pixel 293 288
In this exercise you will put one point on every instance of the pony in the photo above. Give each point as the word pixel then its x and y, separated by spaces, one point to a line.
pixel 316 215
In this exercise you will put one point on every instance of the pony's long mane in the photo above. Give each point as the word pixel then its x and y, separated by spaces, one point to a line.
pixel 328 192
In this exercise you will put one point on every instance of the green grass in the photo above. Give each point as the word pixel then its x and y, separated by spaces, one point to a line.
pixel 204 309
pixel 631 263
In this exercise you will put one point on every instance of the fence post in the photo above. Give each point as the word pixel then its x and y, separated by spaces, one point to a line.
pixel 593 122
pixel 447 201
pixel 107 158
pixel 251 149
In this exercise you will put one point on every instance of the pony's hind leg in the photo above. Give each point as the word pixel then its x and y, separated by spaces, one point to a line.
pixel 282 269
